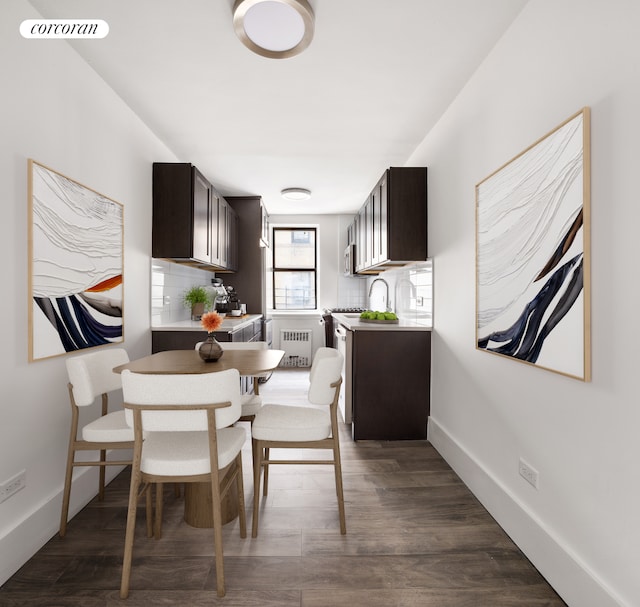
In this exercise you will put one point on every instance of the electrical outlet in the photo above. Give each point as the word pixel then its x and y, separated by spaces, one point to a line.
pixel 13 485
pixel 528 473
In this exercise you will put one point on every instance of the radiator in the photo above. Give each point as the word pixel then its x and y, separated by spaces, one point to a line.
pixel 297 347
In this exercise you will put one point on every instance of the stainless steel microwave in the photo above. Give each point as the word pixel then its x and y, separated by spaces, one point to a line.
pixel 350 260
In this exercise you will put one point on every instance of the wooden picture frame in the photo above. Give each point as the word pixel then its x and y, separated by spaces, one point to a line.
pixel 76 262
pixel 533 255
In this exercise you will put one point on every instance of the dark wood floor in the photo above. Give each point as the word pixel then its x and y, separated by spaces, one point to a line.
pixel 415 537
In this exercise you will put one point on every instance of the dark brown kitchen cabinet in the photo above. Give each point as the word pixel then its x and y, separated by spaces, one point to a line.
pixel 250 281
pixel 232 240
pixel 265 232
pixel 390 383
pixel 186 340
pixel 351 231
pixel 227 231
pixel 187 218
pixel 363 244
pixel 392 223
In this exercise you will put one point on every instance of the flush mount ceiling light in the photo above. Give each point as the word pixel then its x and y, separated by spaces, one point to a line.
pixel 296 194
pixel 274 28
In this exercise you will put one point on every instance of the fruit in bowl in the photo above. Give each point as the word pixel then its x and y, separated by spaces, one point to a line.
pixel 377 315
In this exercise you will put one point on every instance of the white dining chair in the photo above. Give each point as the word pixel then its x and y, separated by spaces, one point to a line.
pixel 186 421
pixel 302 427
pixel 91 376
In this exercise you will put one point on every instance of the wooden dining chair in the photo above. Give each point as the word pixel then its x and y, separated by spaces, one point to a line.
pixel 302 427
pixel 250 402
pixel 90 376
pixel 186 421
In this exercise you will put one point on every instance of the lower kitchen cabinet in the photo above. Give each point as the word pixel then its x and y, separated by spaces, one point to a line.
pixel 185 340
pixel 390 384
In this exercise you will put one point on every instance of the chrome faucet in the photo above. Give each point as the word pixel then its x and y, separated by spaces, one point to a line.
pixel 386 284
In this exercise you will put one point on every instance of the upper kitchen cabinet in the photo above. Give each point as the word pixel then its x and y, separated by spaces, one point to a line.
pixel 250 279
pixel 192 222
pixel 225 255
pixel 391 226
pixel 264 220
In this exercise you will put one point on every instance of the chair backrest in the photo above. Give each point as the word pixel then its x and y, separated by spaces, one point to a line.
pixel 326 369
pixel 182 389
pixel 92 374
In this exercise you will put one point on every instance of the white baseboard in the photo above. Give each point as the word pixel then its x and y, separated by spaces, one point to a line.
pixel 571 579
pixel 40 524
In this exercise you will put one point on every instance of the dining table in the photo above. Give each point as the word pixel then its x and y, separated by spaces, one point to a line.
pixel 174 362
pixel 198 510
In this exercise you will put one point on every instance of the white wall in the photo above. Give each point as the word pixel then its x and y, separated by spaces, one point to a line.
pixel 581 528
pixel 56 110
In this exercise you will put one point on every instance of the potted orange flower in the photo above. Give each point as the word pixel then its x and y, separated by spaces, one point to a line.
pixel 210 350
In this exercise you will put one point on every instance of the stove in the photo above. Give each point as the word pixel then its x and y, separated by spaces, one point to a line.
pixel 354 310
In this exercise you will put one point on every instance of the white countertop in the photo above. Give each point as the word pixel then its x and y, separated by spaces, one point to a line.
pixel 229 325
pixel 353 323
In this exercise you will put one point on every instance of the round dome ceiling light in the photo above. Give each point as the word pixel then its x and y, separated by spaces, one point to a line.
pixel 296 194
pixel 274 28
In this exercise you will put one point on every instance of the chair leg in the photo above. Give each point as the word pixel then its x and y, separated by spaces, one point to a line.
pixel 217 535
pixel 157 529
pixel 129 534
pixel 66 495
pixel 265 489
pixel 339 489
pixel 242 513
pixel 71 456
pixel 103 459
pixel 148 502
pixel 253 444
pixel 257 465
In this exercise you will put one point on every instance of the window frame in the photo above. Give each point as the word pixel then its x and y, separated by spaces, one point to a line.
pixel 275 270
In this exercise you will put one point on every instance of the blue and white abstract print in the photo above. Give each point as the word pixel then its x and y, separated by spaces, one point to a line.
pixel 531 254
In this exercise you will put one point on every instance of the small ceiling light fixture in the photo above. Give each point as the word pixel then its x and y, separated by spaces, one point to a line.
pixel 274 28
pixel 296 194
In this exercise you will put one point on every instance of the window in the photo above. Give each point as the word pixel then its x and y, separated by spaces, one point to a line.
pixel 294 269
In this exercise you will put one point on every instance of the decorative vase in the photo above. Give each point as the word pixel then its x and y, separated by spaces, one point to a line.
pixel 210 350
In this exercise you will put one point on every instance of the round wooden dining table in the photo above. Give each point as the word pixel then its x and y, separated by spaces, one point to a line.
pixel 197 500
pixel 248 362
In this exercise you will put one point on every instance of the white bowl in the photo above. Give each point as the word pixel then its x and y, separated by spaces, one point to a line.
pixel 236 312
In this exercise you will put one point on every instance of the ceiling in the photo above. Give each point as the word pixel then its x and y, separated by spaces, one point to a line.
pixel 376 78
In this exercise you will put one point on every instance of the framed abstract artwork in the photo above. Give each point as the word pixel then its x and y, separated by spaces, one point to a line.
pixel 533 254
pixel 76 238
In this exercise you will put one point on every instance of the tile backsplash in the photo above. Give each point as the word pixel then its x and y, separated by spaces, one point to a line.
pixel 169 282
pixel 352 292
pixel 410 292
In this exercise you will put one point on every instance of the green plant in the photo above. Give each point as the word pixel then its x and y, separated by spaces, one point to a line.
pixel 196 295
